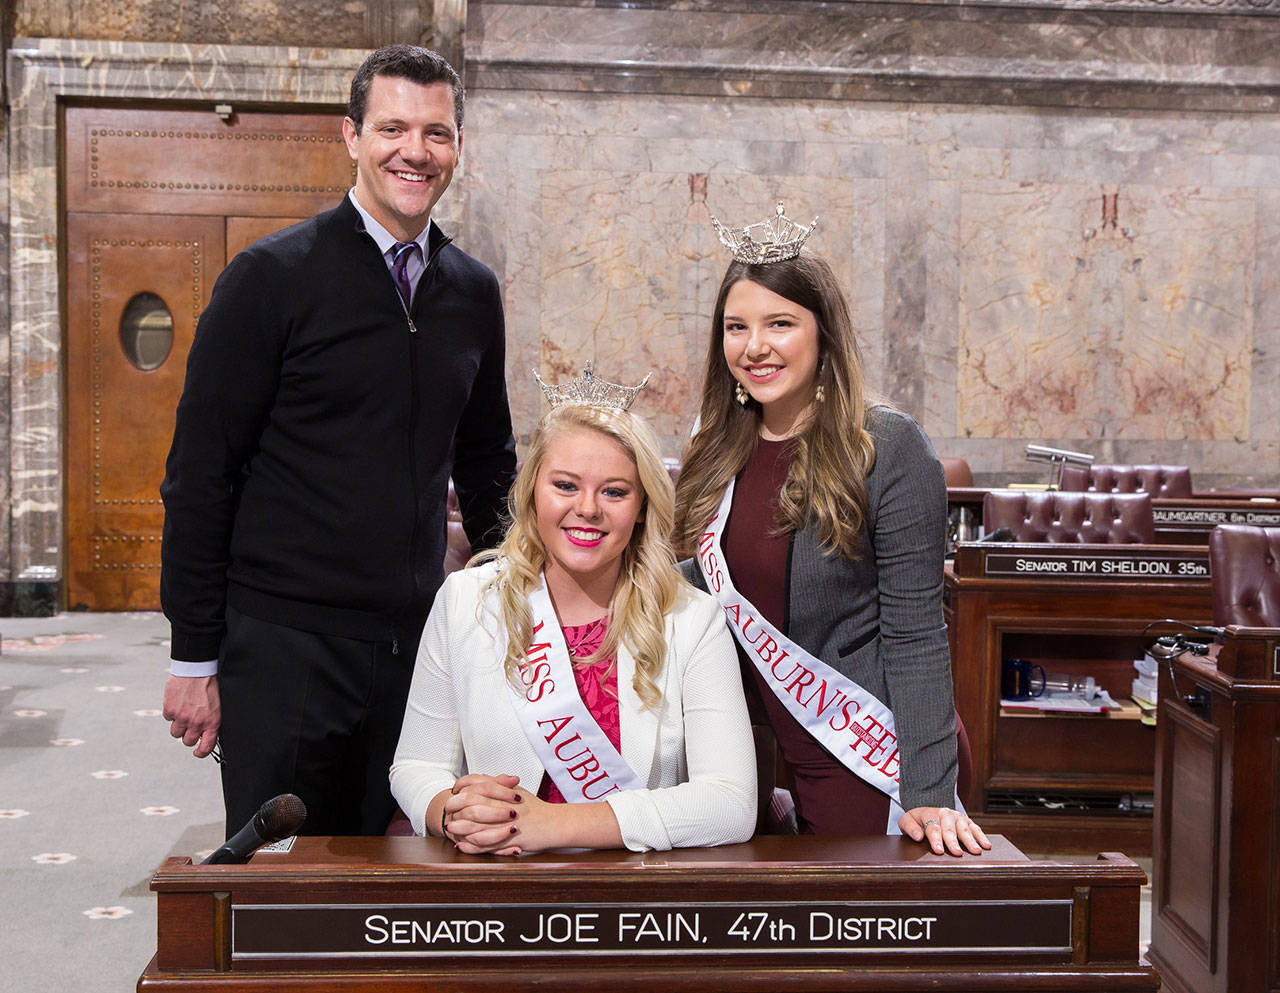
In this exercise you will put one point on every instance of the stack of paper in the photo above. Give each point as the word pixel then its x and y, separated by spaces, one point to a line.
pixel 1146 682
pixel 1072 703
pixel 1145 685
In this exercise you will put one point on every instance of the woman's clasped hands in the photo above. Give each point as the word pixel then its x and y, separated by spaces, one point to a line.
pixel 495 815
pixel 481 814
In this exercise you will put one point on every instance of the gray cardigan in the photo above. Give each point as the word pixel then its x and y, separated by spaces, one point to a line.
pixel 878 618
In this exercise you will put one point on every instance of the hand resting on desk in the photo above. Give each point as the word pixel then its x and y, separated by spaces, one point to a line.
pixel 944 829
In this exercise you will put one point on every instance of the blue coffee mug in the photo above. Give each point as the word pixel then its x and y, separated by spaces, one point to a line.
pixel 1021 680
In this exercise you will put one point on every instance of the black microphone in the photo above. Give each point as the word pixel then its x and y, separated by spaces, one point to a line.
pixel 999 534
pixel 278 818
pixel 1212 632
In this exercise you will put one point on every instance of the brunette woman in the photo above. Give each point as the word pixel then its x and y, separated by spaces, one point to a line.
pixel 817 517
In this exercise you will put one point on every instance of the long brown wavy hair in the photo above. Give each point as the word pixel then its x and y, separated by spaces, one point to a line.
pixel 827 482
pixel 648 582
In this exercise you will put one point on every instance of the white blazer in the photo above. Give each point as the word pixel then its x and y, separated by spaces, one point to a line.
pixel 694 751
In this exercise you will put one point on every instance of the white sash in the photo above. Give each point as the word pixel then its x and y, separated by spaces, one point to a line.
pixel 576 753
pixel 855 728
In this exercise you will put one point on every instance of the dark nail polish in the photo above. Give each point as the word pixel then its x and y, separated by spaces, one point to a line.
pixel 513 829
pixel 512 814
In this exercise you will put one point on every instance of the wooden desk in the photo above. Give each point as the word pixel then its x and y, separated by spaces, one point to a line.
pixel 1184 521
pixel 1050 782
pixel 800 914
pixel 1215 912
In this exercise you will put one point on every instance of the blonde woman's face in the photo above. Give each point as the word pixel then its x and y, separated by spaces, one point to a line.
pixel 588 500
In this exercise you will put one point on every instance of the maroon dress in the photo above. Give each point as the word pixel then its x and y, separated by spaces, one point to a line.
pixel 829 798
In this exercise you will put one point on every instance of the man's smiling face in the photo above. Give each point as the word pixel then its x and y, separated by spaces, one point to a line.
pixel 405 152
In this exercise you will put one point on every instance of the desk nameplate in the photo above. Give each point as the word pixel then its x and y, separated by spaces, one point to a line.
pixel 398 931
pixel 1210 517
pixel 1068 564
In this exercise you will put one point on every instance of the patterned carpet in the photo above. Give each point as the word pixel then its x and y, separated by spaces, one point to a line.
pixel 94 794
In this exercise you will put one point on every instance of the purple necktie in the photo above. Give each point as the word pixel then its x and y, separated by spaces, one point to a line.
pixel 402 252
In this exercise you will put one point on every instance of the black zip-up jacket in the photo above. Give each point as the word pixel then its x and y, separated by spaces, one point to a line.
pixel 317 431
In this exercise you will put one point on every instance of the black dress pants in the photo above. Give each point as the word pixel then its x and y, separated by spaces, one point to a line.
pixel 314 715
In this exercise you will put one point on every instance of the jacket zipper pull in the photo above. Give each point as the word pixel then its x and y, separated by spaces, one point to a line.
pixel 413 328
pixel 395 646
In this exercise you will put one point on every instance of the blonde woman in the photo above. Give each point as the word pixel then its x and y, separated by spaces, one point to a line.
pixel 572 690
pixel 817 518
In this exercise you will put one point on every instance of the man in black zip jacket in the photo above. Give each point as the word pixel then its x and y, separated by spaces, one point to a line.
pixel 343 370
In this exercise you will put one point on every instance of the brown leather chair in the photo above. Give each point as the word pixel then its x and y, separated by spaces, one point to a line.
pixel 1244 565
pixel 458 549
pixel 956 470
pixel 1058 517
pixel 400 826
pixel 1159 480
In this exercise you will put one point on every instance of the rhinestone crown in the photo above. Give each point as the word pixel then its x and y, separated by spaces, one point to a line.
pixel 774 240
pixel 589 391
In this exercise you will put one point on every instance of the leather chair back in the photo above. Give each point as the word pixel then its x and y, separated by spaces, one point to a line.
pixel 1158 480
pixel 956 470
pixel 1244 562
pixel 458 549
pixel 1058 517
pixel 457 552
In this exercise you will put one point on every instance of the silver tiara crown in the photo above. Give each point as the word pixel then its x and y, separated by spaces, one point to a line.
pixel 774 240
pixel 589 391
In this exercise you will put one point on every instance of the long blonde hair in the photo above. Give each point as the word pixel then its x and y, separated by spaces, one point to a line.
pixel 648 583
pixel 827 482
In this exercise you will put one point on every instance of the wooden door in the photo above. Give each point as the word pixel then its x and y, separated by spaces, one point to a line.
pixel 157 201
pixel 131 275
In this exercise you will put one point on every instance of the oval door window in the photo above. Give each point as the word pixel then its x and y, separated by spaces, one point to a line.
pixel 146 331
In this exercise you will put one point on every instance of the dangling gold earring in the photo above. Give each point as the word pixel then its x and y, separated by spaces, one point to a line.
pixel 740 394
pixel 819 394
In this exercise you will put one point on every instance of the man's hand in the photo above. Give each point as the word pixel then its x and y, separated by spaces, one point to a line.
pixel 191 706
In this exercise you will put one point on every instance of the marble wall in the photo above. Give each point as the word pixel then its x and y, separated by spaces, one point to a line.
pixel 1056 226
pixel 6 595
pixel 229 22
pixel 1057 222
pixel 1012 282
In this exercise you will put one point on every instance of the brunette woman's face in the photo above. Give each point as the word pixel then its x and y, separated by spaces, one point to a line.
pixel 772 347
